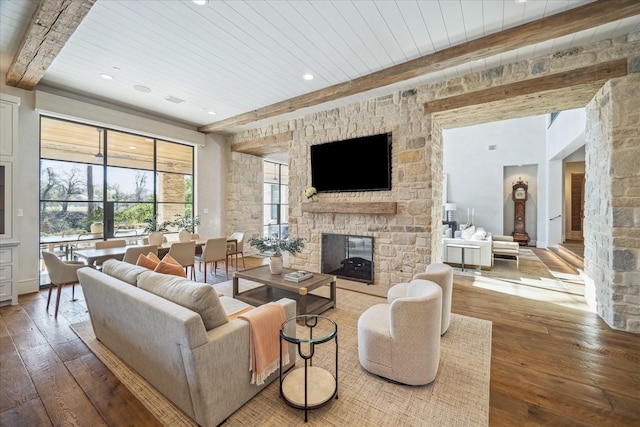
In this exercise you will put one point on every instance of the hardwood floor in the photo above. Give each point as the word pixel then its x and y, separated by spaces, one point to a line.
pixel 553 362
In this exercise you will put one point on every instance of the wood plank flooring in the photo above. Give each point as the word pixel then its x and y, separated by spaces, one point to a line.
pixel 553 362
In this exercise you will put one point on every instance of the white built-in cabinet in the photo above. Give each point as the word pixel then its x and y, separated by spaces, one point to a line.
pixel 9 106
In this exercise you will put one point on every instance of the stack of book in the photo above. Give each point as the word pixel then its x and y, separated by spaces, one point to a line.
pixel 298 276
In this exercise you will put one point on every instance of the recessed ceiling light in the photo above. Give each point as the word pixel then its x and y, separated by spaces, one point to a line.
pixel 308 76
pixel 141 88
pixel 200 2
pixel 106 76
pixel 116 69
pixel 133 147
pixel 213 113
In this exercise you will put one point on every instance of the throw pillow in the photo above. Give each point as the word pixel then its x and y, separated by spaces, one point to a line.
pixel 480 234
pixel 468 232
pixel 152 256
pixel 145 261
pixel 198 297
pixel 167 267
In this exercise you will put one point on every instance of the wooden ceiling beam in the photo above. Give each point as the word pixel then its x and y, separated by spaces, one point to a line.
pixel 261 147
pixel 558 25
pixel 51 26
pixel 594 74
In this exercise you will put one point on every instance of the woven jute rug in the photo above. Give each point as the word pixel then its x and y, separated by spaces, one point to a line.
pixel 459 396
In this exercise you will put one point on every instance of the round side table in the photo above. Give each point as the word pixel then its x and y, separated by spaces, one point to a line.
pixel 308 387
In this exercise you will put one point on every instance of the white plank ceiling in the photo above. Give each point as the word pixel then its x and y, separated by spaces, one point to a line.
pixel 235 56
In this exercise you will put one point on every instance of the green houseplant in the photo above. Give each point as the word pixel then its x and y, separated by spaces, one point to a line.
pixel 152 224
pixel 275 247
pixel 186 222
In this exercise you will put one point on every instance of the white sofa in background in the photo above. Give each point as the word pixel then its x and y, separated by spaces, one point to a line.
pixel 195 357
pixel 477 251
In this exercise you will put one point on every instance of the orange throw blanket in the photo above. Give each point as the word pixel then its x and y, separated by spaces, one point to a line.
pixel 264 340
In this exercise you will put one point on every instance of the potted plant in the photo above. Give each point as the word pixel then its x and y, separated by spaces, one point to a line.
pixel 186 222
pixel 275 247
pixel 152 224
pixel 186 225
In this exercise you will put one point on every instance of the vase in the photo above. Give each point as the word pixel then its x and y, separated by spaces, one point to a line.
pixel 275 264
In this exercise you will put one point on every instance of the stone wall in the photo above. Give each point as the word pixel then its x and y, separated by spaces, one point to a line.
pixel 244 196
pixel 405 243
pixel 402 242
pixel 612 202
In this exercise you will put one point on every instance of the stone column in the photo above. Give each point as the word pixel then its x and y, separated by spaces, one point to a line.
pixel 612 202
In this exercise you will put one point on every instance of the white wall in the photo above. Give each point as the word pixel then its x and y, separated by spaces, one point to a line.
pixel 477 174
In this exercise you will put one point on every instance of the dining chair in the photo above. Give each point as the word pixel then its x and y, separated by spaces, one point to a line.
pixel 133 252
pixel 107 244
pixel 184 253
pixel 114 243
pixel 213 251
pixel 237 247
pixel 61 273
pixel 156 238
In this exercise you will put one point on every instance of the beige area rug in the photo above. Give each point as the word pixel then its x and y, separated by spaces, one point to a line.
pixel 459 396
pixel 531 272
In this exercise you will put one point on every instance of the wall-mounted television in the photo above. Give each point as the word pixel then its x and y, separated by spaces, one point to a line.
pixel 356 164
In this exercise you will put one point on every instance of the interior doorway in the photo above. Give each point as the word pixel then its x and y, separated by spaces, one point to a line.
pixel 574 201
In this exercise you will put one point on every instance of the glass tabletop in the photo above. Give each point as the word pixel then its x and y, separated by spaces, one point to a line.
pixel 308 328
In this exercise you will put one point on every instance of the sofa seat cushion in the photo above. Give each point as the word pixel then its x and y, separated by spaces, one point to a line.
pixel 123 271
pixel 198 297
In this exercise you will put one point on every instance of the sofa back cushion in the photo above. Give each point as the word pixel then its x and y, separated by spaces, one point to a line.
pixel 123 271
pixel 198 297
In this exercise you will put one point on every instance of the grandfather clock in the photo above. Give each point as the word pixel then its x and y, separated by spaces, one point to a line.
pixel 519 194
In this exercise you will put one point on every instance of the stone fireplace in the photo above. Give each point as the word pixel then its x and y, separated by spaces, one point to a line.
pixel 348 257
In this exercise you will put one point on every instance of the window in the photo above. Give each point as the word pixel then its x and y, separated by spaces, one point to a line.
pixel 94 175
pixel 276 200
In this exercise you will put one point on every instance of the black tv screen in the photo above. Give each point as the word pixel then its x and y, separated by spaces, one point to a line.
pixel 357 164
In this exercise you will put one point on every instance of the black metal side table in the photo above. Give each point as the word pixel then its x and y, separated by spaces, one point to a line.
pixel 308 387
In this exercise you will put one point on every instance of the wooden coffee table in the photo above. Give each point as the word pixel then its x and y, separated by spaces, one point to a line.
pixel 275 287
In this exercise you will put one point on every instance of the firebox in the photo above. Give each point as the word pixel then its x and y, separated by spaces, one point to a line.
pixel 348 257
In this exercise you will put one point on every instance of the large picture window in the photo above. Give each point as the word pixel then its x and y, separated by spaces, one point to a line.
pixel 91 176
pixel 276 200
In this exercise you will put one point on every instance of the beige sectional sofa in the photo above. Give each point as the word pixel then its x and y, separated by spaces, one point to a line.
pixel 194 356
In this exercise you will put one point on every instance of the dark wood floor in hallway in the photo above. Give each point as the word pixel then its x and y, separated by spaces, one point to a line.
pixel 554 362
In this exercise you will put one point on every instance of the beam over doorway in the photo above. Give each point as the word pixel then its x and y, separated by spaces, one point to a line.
pixel 595 74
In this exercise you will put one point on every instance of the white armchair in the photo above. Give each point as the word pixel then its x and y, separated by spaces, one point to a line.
pixel 401 341
pixel 441 275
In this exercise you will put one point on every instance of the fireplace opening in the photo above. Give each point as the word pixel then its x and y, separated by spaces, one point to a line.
pixel 348 257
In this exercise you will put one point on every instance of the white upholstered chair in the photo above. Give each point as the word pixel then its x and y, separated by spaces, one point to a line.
pixel 156 238
pixel 440 274
pixel 184 253
pixel 107 244
pixel 61 273
pixel 114 243
pixel 236 249
pixel 133 252
pixel 214 251
pixel 400 341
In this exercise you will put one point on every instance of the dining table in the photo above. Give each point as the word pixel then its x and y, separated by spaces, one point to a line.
pixel 91 256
